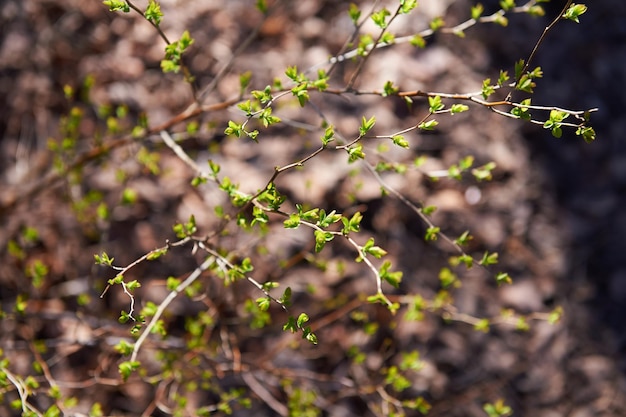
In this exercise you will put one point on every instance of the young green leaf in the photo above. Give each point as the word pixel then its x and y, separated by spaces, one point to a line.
pixel 555 315
pixel 464 239
pixel 503 278
pixel 436 24
pixel 432 233
pixel 292 73
pixel 103 259
pixel 264 96
pixel 290 325
pixel 482 325
pixel 458 108
pixel 588 134
pixel 487 88
pixel 302 318
pixel 325 220
pixel 435 104
pixel 522 111
pixel 244 81
pixel 321 238
pixel 353 224
pixel 536 10
pixel 393 278
pixel 261 6
pixel 123 348
pixel 292 222
pixel 285 299
pixel 263 303
pixel 309 335
pixel 503 77
pixel 407 6
pixel 389 89
pixel 429 125
pixel 400 141
pixel 156 254
pixel 354 13
pixel 373 250
pixel 519 67
pixel 366 125
pixel 301 93
pixel 153 12
pixel 448 279
pixel 484 173
pixel 477 11
pixel 233 129
pixel 355 153
pixel 418 41
pixel 380 18
pixel 266 117
pixel 555 121
pixel 215 168
pixel 574 11
pixel 467 260
pixel 127 367
pixel 507 4
pixel 172 283
pixel 328 136
pixel 117 5
pixel 489 259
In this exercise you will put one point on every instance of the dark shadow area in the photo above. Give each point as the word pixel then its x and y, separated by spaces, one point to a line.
pixel 585 68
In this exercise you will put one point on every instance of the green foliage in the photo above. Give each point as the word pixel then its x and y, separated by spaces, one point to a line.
pixel 117 5
pixel 435 104
pixel 126 368
pixel 507 4
pixel 247 223
pixel 555 122
pixel 429 125
pixel 436 24
pixel 187 229
pixel 477 11
pixel 366 125
pixel 37 272
pixel 354 13
pixel 574 11
pixel 353 224
pixel 153 13
pixel 380 18
pixel 487 89
pixel 294 325
pixel 174 53
pixel 497 409
pixel 393 278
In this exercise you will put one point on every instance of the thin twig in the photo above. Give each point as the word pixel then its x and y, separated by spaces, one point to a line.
pixel 165 303
pixel 22 391
pixel 264 394
pixel 242 47
pixel 362 62
pixel 537 44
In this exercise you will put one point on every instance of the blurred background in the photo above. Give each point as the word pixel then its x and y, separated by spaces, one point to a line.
pixel 554 209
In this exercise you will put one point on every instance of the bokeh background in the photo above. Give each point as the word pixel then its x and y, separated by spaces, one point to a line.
pixel 554 209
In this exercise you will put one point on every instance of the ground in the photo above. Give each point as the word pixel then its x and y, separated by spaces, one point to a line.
pixel 552 212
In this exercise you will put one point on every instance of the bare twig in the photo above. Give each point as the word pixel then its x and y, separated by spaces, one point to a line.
pixel 22 391
pixel 264 394
pixel 242 47
pixel 368 53
pixel 166 302
pixel 537 44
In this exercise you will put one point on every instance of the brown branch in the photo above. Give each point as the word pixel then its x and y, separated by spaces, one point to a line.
pixel 53 178
pixel 537 44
